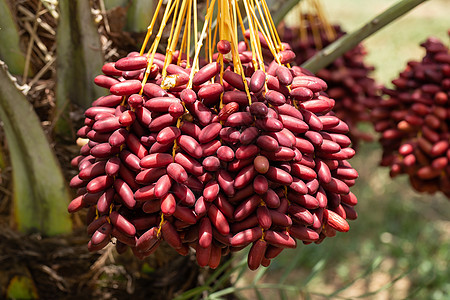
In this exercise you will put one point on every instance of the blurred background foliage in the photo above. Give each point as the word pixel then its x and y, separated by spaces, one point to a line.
pixel 390 48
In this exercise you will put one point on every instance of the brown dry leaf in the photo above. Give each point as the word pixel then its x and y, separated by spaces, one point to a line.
pixel 117 18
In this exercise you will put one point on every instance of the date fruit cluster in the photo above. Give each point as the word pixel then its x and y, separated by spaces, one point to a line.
pixel 414 121
pixel 228 163
pixel 348 77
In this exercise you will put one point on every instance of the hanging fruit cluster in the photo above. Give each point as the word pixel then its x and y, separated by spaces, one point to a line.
pixel 347 77
pixel 415 120
pixel 214 154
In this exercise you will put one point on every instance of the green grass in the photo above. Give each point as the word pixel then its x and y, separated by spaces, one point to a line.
pixel 391 47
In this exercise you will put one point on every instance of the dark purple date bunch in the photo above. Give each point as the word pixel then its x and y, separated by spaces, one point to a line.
pixel 348 77
pixel 216 168
pixel 414 121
